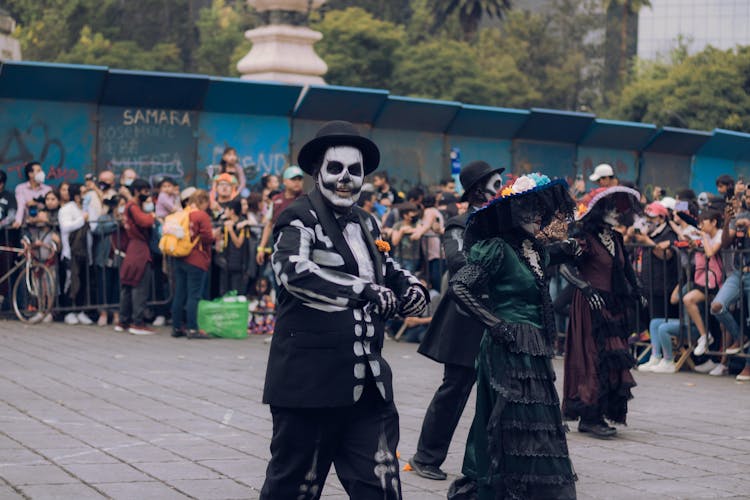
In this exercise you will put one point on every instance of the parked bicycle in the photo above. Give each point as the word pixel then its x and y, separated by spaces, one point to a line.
pixel 34 290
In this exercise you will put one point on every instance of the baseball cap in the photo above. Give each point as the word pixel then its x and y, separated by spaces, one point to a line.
pixel 292 172
pixel 187 193
pixel 602 170
pixel 655 208
pixel 229 178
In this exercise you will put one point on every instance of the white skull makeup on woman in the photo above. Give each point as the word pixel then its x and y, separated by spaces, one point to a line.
pixel 340 176
pixel 611 214
pixel 530 219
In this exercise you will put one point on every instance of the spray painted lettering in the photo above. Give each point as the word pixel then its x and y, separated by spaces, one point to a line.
pixel 155 117
pixel 19 147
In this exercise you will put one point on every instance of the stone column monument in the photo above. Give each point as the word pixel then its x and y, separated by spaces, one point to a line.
pixel 283 48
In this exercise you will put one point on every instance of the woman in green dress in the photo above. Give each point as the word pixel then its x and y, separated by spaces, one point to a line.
pixel 516 447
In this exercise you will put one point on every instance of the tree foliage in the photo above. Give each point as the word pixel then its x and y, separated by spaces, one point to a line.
pixel 359 49
pixel 573 54
pixel 703 91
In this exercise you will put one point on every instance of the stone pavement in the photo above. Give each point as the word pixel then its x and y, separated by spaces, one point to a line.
pixel 89 413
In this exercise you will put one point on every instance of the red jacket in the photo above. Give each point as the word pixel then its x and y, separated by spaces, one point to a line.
pixel 137 255
pixel 200 226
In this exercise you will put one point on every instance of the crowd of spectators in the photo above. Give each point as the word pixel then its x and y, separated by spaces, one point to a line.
pixel 100 238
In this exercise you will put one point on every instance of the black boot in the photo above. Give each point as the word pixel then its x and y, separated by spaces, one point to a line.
pixel 598 429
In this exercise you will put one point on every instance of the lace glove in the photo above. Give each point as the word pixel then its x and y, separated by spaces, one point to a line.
pixel 413 303
pixel 382 298
pixel 596 301
pixel 501 332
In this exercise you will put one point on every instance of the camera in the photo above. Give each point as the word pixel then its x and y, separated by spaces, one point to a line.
pixel 33 211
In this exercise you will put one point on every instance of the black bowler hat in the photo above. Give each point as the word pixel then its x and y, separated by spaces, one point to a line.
pixel 474 173
pixel 338 133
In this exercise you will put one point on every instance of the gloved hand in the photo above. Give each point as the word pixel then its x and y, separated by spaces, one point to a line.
pixel 572 247
pixel 596 301
pixel 382 298
pixel 413 303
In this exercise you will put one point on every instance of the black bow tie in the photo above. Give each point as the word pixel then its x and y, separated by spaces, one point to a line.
pixel 346 218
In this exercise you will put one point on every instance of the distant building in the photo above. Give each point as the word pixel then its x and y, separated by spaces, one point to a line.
pixel 721 23
pixel 10 48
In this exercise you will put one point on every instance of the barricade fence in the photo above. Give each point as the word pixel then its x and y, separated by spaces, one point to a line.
pixel 97 274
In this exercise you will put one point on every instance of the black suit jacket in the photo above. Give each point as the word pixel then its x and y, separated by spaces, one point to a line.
pixel 327 339
pixel 453 336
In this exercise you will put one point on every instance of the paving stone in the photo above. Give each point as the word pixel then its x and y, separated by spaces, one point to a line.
pixel 106 473
pixel 94 403
pixel 35 474
pixel 78 491
pixel 168 471
pixel 209 489
pixel 140 491
pixel 8 493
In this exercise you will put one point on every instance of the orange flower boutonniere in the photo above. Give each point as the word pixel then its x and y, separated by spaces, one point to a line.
pixel 383 246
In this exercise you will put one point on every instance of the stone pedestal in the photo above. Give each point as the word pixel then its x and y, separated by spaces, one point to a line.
pixel 283 52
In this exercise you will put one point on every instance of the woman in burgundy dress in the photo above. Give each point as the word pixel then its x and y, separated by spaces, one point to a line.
pixel 597 380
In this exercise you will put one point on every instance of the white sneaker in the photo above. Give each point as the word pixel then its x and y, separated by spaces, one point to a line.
pixel 48 318
pixel 36 318
pixel 649 365
pixel 665 366
pixel 84 319
pixel 102 321
pixel 71 319
pixel 703 342
pixel 159 321
pixel 705 367
pixel 719 371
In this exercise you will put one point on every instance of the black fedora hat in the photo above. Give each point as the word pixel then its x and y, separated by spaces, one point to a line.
pixel 474 173
pixel 338 133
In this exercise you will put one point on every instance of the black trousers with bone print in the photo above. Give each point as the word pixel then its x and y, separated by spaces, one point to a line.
pixel 360 440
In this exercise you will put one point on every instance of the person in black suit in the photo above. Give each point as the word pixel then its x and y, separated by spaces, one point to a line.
pixel 453 337
pixel 328 386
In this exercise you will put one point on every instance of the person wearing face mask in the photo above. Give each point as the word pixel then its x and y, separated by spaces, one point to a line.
pixel 127 178
pixel 598 380
pixel 135 271
pixel 28 193
pixel 329 388
pixel 453 336
pixel 516 446
pixel 659 268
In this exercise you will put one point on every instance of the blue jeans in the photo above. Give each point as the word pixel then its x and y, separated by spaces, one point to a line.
pixel 662 330
pixel 729 293
pixel 188 287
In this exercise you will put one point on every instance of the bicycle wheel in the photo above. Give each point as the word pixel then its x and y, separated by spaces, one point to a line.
pixel 34 294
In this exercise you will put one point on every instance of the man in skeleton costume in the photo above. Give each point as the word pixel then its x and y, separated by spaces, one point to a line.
pixel 453 337
pixel 329 388
pixel 516 448
pixel 597 380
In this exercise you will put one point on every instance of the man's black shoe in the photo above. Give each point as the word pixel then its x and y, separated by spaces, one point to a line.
pixel 599 430
pixel 428 471
pixel 178 333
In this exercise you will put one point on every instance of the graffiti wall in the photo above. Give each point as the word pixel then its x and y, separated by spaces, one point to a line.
pixel 410 157
pixel 59 135
pixel 551 158
pixel 494 152
pixel 624 162
pixel 153 142
pixel 262 144
pixel 668 171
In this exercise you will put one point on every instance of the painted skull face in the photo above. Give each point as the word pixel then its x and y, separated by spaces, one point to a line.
pixel 531 220
pixel 611 217
pixel 492 186
pixel 341 176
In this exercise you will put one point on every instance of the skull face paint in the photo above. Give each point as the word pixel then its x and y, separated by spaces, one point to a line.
pixel 531 220
pixel 610 217
pixel 492 186
pixel 341 176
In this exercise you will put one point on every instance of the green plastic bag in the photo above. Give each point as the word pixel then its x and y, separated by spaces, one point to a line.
pixel 224 317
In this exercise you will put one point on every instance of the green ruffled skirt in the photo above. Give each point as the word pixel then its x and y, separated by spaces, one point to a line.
pixel 516 447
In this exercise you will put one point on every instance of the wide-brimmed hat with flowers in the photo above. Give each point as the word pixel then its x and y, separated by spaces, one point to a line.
pixel 625 198
pixel 548 197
